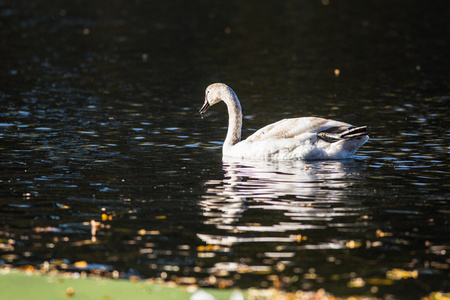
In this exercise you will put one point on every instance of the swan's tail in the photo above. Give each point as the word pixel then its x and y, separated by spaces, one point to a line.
pixel 350 133
pixel 354 132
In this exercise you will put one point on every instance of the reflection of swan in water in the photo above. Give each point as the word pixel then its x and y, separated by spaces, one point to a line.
pixel 305 192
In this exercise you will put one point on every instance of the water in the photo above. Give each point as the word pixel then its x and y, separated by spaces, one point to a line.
pixel 100 122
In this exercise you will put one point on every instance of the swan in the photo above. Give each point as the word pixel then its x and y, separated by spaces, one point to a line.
pixel 306 138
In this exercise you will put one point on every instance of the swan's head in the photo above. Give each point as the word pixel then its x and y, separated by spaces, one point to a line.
pixel 215 93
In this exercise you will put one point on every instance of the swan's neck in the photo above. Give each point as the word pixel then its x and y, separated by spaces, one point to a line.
pixel 234 121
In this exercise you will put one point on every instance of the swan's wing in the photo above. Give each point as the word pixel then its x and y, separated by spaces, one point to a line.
pixel 289 128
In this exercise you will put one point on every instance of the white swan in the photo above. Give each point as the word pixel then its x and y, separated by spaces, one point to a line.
pixel 288 139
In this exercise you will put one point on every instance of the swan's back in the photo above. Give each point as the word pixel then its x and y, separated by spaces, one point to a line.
pixel 290 128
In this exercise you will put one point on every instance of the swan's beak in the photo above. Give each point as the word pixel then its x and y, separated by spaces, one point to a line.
pixel 204 107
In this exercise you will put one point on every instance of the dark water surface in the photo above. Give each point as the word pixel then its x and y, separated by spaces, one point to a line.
pixel 99 122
